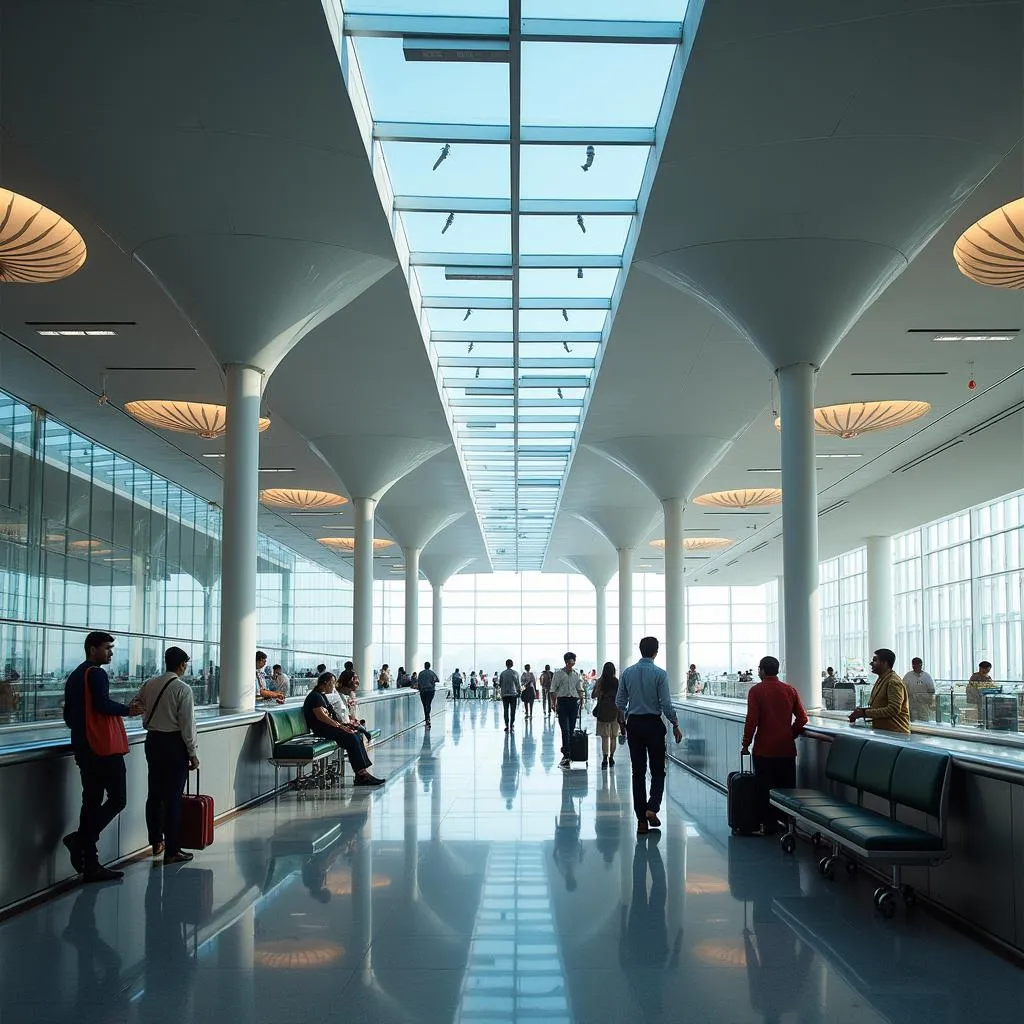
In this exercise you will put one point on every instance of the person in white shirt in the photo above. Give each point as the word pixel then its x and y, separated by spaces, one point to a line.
pixel 168 715
pixel 920 692
pixel 567 692
pixel 281 680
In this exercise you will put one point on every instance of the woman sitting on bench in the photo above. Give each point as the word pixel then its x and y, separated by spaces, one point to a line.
pixel 321 721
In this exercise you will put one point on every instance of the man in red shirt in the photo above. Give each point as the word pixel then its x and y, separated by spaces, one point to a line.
pixel 775 717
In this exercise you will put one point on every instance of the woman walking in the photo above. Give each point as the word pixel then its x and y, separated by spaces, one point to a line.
pixel 529 694
pixel 607 714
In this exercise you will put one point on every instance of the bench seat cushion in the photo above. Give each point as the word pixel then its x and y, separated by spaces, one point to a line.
pixel 303 748
pixel 800 801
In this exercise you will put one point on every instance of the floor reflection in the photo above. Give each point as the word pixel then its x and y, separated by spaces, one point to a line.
pixel 483 882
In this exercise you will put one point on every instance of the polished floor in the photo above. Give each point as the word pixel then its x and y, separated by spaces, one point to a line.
pixel 483 883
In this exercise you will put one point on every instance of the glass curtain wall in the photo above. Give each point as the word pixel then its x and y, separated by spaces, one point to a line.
pixel 843 593
pixel 92 540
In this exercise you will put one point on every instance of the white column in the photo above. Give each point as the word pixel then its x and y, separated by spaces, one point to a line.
pixel 781 655
pixel 800 531
pixel 362 586
pixel 881 621
pixel 437 629
pixel 626 653
pixel 602 626
pixel 675 628
pixel 238 547
pixel 412 609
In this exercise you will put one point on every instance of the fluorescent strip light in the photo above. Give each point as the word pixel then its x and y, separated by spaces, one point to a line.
pixel 838 455
pixel 277 469
pixel 214 455
pixel 478 273
pixel 456 51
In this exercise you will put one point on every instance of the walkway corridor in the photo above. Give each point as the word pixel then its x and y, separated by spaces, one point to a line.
pixel 485 884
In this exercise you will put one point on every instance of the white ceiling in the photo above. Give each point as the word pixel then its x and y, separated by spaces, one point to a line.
pixel 792 123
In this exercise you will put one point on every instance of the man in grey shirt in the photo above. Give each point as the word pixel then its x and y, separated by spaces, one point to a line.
pixel 426 683
pixel 508 683
pixel 643 697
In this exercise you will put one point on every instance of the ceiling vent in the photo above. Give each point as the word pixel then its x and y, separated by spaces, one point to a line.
pixel 900 373
pixel 831 508
pixel 760 547
pixel 961 334
pixel 711 572
pixel 733 562
pixel 995 418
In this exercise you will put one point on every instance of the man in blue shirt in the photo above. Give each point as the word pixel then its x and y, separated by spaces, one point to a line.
pixel 643 697
pixel 426 683
pixel 103 772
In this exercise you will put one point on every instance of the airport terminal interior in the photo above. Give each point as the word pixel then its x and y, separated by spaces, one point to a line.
pixel 395 338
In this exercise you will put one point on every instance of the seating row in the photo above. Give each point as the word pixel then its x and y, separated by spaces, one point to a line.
pixel 294 746
pixel 901 776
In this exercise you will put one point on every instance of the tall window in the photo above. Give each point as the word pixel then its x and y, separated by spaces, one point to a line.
pixel 842 591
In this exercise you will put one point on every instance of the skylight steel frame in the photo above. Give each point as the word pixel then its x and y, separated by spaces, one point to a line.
pixel 488 405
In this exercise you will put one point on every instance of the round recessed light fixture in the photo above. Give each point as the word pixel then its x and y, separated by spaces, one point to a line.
pixel 349 543
pixel 36 245
pixel 856 418
pixel 295 499
pixel 200 418
pixel 745 497
pixel 697 543
pixel 991 251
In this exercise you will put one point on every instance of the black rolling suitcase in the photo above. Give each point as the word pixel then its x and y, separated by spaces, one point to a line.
pixel 743 802
pixel 578 740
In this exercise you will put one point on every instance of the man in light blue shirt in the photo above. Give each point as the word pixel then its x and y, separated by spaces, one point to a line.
pixel 643 697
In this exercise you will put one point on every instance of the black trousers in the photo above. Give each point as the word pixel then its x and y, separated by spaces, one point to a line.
pixel 352 744
pixel 510 703
pixel 773 773
pixel 168 771
pixel 528 706
pixel 101 777
pixel 426 699
pixel 457 690
pixel 568 709
pixel 645 735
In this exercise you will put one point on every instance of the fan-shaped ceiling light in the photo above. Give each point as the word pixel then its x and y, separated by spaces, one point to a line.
pixel 94 547
pixel 36 245
pixel 697 543
pixel 745 497
pixel 295 499
pixel 856 418
pixel 200 418
pixel 992 250
pixel 349 543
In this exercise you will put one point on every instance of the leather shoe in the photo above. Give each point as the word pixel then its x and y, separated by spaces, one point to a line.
pixel 158 848
pixel 181 857
pixel 368 780
pixel 642 828
pixel 653 820
pixel 101 874
pixel 74 848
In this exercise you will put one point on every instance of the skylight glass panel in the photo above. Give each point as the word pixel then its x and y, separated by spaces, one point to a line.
pixel 556 172
pixel 515 381
pixel 427 91
pixel 574 233
pixel 591 84
pixel 470 170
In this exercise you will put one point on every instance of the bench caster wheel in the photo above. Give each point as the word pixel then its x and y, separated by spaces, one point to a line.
pixel 851 867
pixel 885 902
pixel 827 867
pixel 816 840
pixel 788 843
pixel 909 895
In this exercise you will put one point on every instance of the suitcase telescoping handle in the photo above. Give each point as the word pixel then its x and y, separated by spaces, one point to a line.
pixel 742 756
pixel 188 779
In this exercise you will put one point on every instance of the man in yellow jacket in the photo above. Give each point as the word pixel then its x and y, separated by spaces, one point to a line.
pixel 888 706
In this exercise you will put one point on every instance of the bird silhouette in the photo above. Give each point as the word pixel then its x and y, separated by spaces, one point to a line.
pixel 579 221
pixel 448 223
pixel 565 345
pixel 471 344
pixel 469 313
pixel 445 151
pixel 590 158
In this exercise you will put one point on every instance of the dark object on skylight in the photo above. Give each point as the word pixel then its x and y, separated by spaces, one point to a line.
pixel 579 221
pixel 448 223
pixel 559 390
pixel 565 345
pixel 579 273
pixel 565 315
pixel 469 313
pixel 590 158
pixel 443 155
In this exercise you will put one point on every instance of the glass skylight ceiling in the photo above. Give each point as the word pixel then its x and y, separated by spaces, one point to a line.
pixel 515 235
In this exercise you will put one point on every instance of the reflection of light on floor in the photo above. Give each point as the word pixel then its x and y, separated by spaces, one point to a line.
pixel 705 885
pixel 339 883
pixel 292 953
pixel 721 953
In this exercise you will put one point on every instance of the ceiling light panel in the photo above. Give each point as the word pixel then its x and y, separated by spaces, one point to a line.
pixel 488 216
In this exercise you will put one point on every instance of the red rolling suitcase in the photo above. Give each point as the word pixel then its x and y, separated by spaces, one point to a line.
pixel 743 802
pixel 196 819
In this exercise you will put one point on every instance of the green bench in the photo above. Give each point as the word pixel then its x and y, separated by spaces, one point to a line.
pixel 903 776
pixel 293 745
